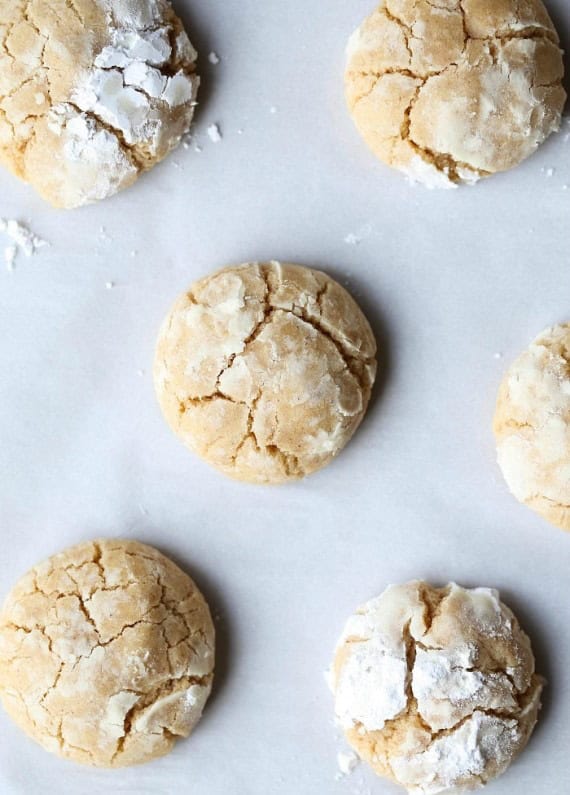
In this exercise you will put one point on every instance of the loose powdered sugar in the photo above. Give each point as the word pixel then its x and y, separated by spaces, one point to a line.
pixel 214 133
pixel 23 238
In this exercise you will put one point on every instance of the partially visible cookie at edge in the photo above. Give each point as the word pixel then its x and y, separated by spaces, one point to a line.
pixel 450 92
pixel 92 93
pixel 265 370
pixel 532 426
pixel 106 653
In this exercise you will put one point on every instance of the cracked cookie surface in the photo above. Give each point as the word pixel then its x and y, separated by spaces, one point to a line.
pixel 532 426
pixel 449 91
pixel 106 653
pixel 92 93
pixel 435 687
pixel 265 370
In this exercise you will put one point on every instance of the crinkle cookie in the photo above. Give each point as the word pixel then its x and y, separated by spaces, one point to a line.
pixel 455 90
pixel 265 370
pixel 435 687
pixel 92 93
pixel 106 653
pixel 532 426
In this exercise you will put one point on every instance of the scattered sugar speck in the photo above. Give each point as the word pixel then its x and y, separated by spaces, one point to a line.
pixel 355 238
pixel 346 763
pixel 273 109
pixel 10 256
pixel 214 133
pixel 109 285
pixel 214 58
pixel 498 355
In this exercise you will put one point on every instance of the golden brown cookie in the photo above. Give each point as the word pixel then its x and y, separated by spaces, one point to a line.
pixel 265 370
pixel 449 91
pixel 106 653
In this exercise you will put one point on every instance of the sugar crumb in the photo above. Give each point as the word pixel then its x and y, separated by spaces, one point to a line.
pixel 23 241
pixel 214 133
pixel 214 58
pixel 10 253
pixel 347 762
pixel 109 285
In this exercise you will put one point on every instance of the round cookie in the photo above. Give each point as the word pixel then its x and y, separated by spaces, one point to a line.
pixel 265 370
pixel 435 687
pixel 92 93
pixel 532 426
pixel 106 653
pixel 452 91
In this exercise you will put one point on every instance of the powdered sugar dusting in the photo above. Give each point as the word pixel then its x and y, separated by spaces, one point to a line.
pixel 130 108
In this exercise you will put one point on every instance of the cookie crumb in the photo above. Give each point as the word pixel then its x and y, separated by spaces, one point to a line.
pixel 214 133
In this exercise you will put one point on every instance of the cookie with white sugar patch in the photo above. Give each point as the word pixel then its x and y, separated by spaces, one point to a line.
pixel 92 93
pixel 436 687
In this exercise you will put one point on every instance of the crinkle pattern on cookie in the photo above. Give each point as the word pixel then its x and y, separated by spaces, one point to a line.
pixel 455 90
pixel 92 93
pixel 265 370
pixel 435 688
pixel 532 426
pixel 106 653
